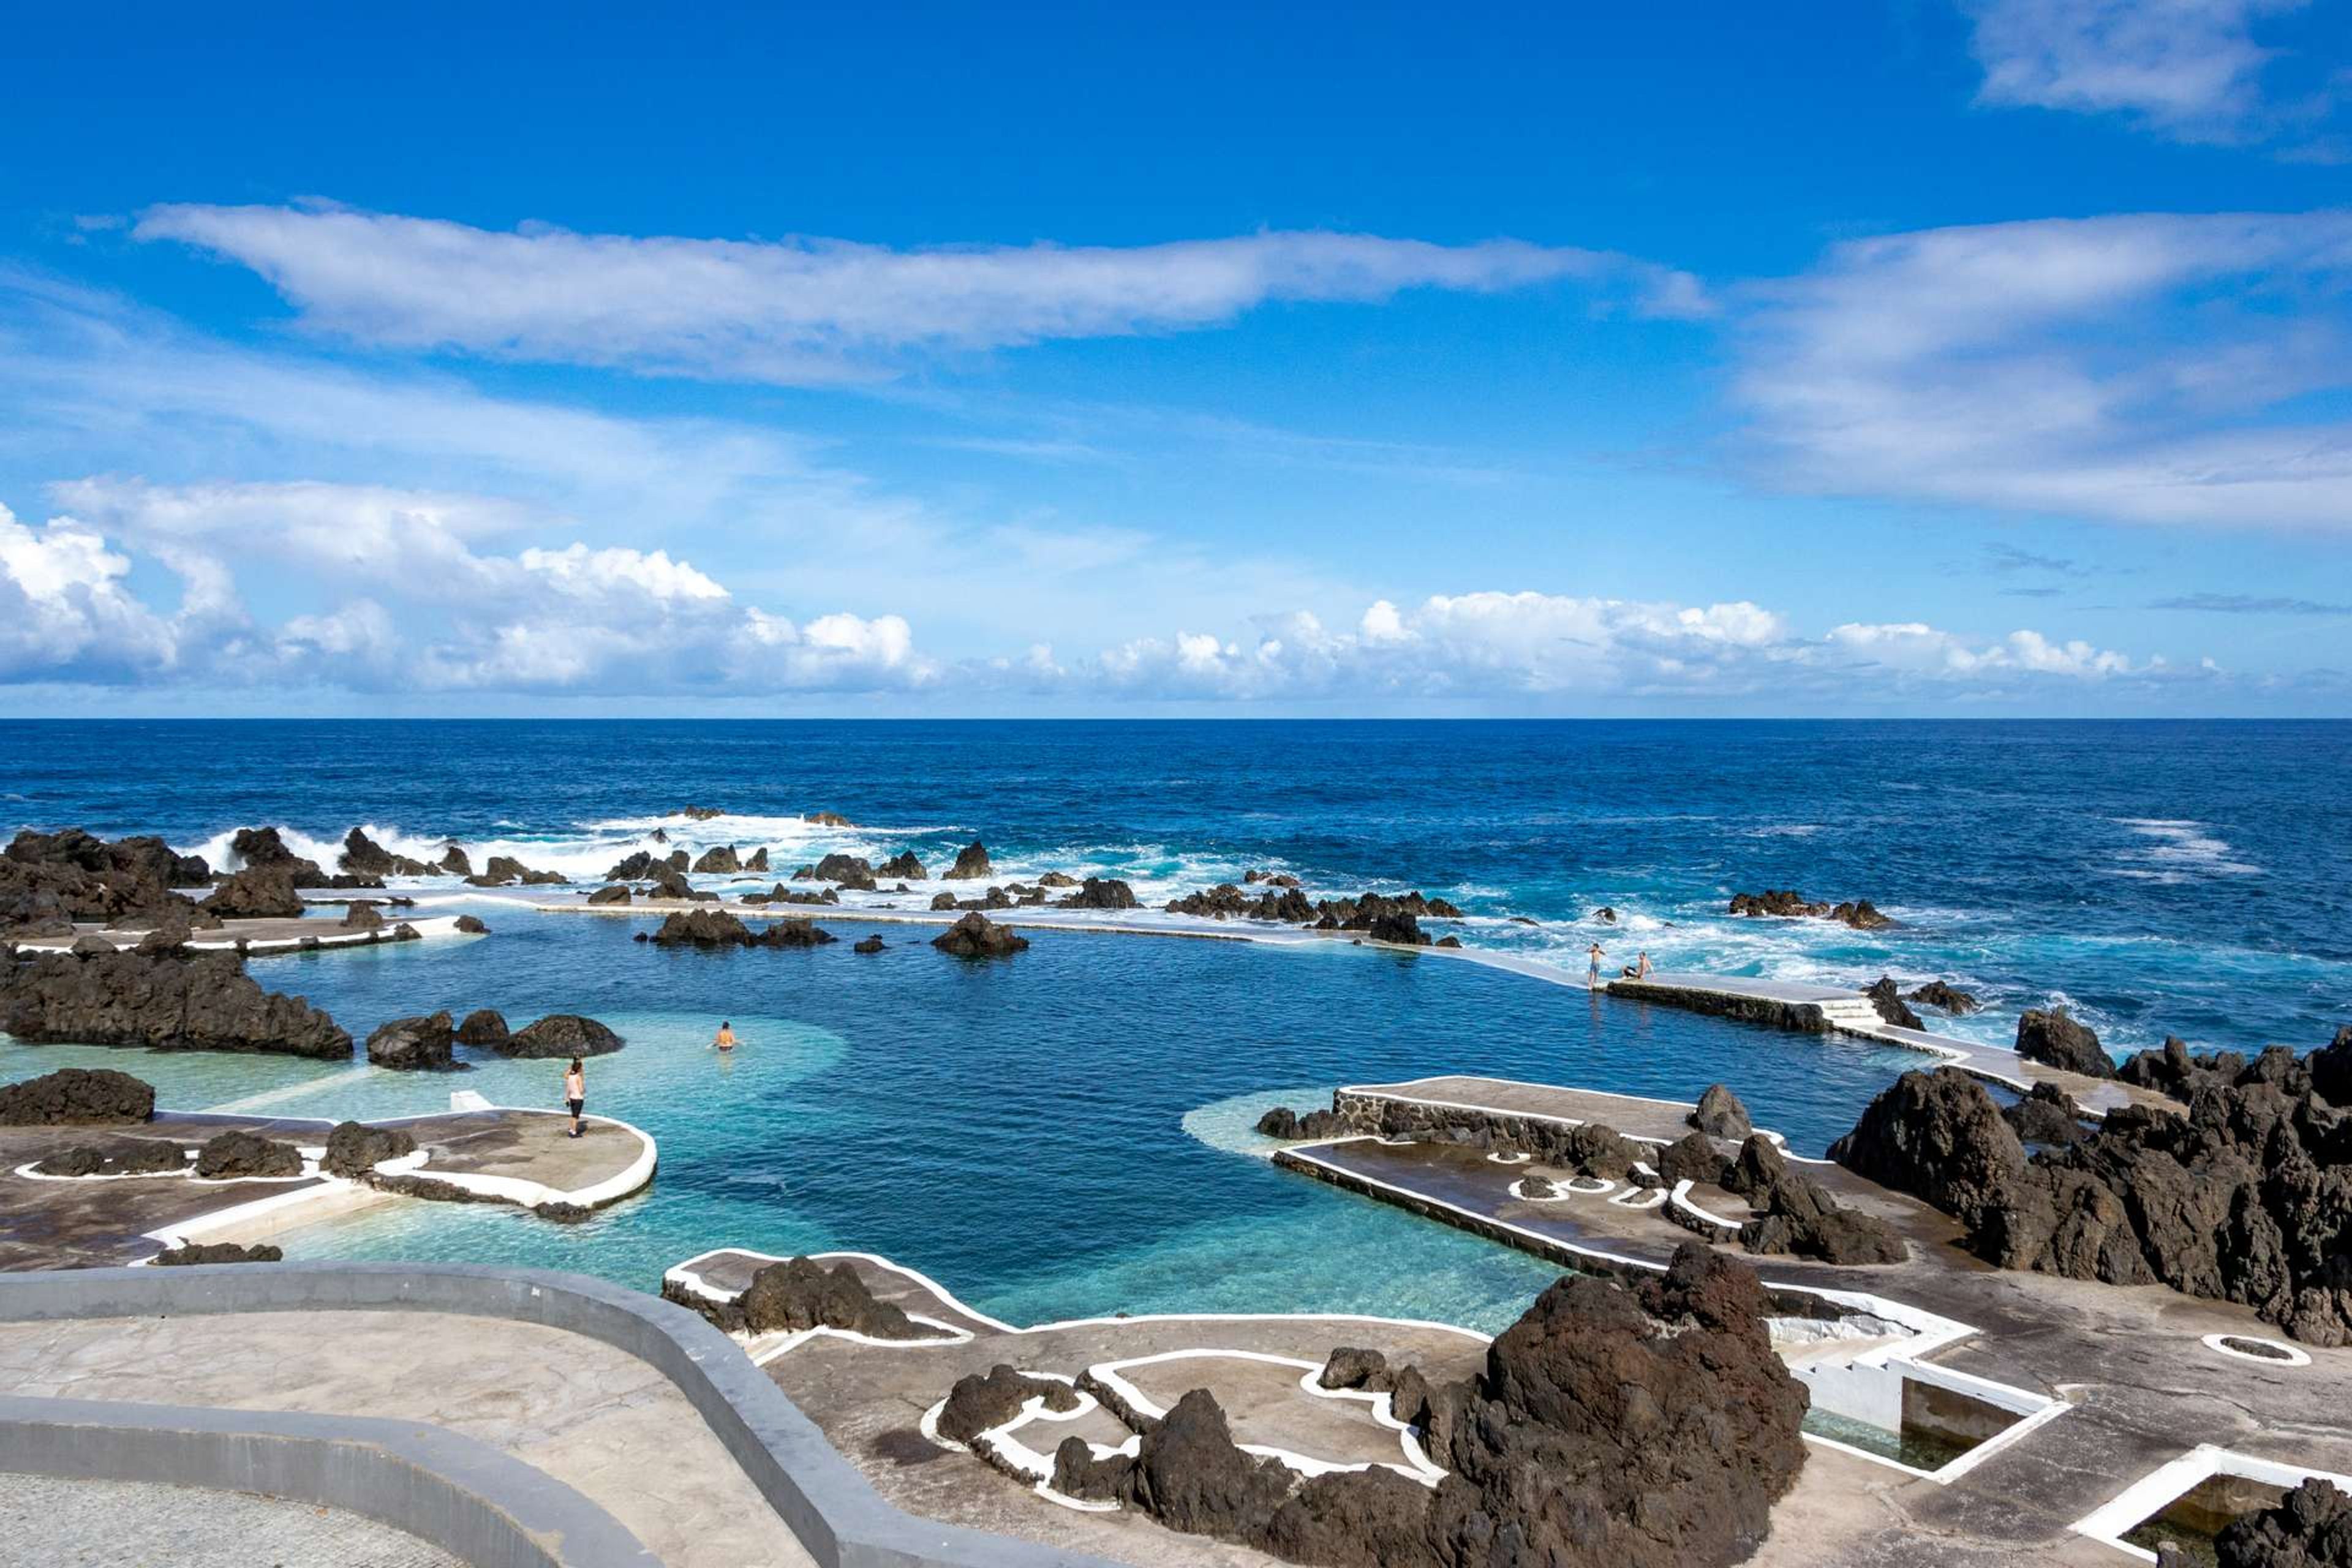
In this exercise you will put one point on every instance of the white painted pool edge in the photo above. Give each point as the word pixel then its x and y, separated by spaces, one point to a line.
pixel 2152 1493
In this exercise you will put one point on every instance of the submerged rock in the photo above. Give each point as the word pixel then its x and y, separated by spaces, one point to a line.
pixel 1861 914
pixel 169 1002
pixel 977 936
pixel 559 1034
pixel 867 944
pixel 2055 1039
pixel 76 1097
pixel 505 870
pixel 240 1155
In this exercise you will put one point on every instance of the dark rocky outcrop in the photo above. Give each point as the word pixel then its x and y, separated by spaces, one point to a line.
pixel 849 871
pixel 189 1252
pixel 1945 998
pixel 76 1097
pixel 1610 1427
pixel 559 1034
pixel 1101 893
pixel 167 1002
pixel 362 915
pixel 981 1402
pixel 1939 1137
pixel 483 1026
pixel 239 1155
pixel 1286 1123
pixel 1693 1158
pixel 717 928
pixel 801 1293
pixel 1225 901
pixel 640 864
pixel 366 857
pixel 867 944
pixel 721 861
pixel 355 1148
pixel 972 865
pixel 2045 1115
pixel 1785 902
pixel 1057 879
pixel 58 878
pixel 828 819
pixel 2310 1527
pixel 1720 1114
pixel 471 925
pixel 1379 916
pixel 943 900
pixel 1798 1216
pixel 255 893
pixel 258 848
pixel 977 936
pixel 412 1045
pixel 456 862
pixel 1888 999
pixel 1861 914
pixel 2055 1039
pixel 505 870
pixel 902 866
pixel 116 1157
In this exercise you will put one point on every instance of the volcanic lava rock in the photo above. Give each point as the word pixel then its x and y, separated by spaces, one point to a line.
pixel 1377 915
pixel 116 1157
pixel 977 936
pixel 1799 1218
pixel 74 875
pixel 902 866
pixel 2310 1527
pixel 943 900
pixel 366 857
pixel 1357 1368
pixel 412 1045
pixel 1279 1122
pixel 2055 1039
pixel 195 1002
pixel 981 1402
pixel 362 915
pixel 257 893
pixel 1057 879
pixel 1939 1137
pixel 559 1034
pixel 355 1148
pixel 456 862
pixel 640 864
pixel 89 945
pixel 828 819
pixel 483 1026
pixel 720 861
pixel 1101 893
pixel 1861 914
pixel 717 928
pixel 849 871
pixel 2044 1115
pixel 1947 998
pixel 1888 999
pixel 1693 1158
pixel 972 865
pixel 505 870
pixel 1720 1114
pixel 76 1097
pixel 237 1155
pixel 868 944
pixel 801 1293
pixel 217 1252
pixel 471 925
pixel 1785 902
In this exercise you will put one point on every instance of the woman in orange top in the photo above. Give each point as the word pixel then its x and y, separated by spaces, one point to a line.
pixel 575 1092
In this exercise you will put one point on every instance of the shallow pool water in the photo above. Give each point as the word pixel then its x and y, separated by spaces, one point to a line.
pixel 1062 1133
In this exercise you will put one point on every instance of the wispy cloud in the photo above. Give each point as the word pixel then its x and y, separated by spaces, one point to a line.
pixel 815 311
pixel 2153 369
pixel 2190 69
pixel 2004 559
pixel 2249 605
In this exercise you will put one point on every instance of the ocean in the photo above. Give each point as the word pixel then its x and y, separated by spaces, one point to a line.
pixel 1068 1131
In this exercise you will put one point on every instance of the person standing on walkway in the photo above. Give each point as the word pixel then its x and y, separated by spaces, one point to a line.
pixel 575 1092
pixel 1592 967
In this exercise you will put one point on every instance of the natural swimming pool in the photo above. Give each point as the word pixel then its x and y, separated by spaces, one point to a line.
pixel 1050 1135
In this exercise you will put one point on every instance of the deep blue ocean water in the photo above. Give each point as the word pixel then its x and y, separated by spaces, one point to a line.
pixel 1057 1134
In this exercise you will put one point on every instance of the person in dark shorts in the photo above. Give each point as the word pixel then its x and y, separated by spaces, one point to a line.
pixel 575 1092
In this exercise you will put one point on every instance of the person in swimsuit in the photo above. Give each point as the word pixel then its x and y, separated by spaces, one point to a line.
pixel 1639 969
pixel 725 1040
pixel 575 1092
pixel 1592 967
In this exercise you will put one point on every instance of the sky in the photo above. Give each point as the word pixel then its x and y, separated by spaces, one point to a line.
pixel 1932 357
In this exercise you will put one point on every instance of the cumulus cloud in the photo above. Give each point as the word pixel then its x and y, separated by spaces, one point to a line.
pixel 804 310
pixel 2190 70
pixel 2152 368
pixel 66 611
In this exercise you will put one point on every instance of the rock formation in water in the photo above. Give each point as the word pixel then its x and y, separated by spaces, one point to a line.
pixel 2247 1197
pixel 366 857
pixel 1611 1427
pixel 801 1293
pixel 237 1155
pixel 1892 1008
pixel 612 893
pixel 718 861
pixel 189 1252
pixel 1784 902
pixel 1947 998
pixel 174 1002
pixel 558 1034
pixel 355 1148
pixel 1719 1114
pixel 48 879
pixel 717 928
pixel 505 870
pixel 76 1097
pixel 2055 1039
pixel 483 1026
pixel 868 944
pixel 1225 901
pixel 902 866
pixel 972 865
pixel 977 936
pixel 849 871
pixel 2045 1114
pixel 257 893
pixel 1286 1123
pixel 412 1045
pixel 1101 893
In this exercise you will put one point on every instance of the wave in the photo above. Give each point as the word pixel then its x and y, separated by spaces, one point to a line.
pixel 2180 850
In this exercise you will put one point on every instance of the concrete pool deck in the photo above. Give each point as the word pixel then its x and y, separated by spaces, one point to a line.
pixel 266 938
pixel 2131 1366
pixel 502 1154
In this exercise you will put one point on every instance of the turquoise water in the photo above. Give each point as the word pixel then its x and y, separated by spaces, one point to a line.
pixel 1063 1134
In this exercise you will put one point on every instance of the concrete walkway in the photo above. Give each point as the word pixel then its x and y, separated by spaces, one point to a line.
pixel 140 1524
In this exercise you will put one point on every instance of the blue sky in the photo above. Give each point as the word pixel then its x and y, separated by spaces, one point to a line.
pixel 1932 358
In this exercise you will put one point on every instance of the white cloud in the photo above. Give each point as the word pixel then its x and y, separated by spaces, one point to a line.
pixel 2140 368
pixel 821 310
pixel 65 610
pixel 2190 70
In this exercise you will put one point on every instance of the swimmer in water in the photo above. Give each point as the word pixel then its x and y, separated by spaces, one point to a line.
pixel 725 1040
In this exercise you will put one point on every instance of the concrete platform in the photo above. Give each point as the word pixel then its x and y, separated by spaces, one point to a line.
pixel 875 1400
pixel 2139 1382
pixel 266 938
pixel 508 1155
